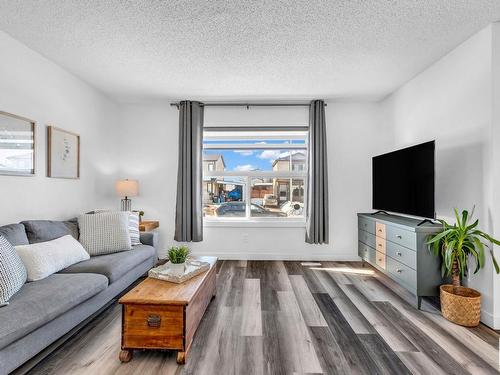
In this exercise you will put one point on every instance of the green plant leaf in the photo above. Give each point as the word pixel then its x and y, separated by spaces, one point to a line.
pixel 459 223
pixel 495 264
pixel 440 235
pixel 480 247
pixel 465 215
pixel 449 254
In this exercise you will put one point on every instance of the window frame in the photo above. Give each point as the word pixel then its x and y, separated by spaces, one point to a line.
pixel 247 176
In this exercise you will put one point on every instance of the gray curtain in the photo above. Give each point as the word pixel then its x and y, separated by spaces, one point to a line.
pixel 317 183
pixel 189 211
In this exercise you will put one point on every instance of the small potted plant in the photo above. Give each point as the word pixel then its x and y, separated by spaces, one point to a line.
pixel 177 256
pixel 455 244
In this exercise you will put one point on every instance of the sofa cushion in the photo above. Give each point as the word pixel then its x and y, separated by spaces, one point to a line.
pixel 47 230
pixel 39 302
pixel 115 265
pixel 15 234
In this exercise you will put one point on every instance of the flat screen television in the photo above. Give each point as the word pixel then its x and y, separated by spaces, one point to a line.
pixel 403 181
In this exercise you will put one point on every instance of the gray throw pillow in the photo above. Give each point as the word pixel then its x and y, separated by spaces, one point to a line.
pixel 15 234
pixel 105 233
pixel 48 230
pixel 12 271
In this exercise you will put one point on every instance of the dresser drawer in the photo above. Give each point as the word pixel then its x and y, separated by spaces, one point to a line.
pixel 366 238
pixel 401 237
pixel 380 244
pixel 366 252
pixel 402 254
pixel 380 260
pixel 402 273
pixel 366 225
pixel 380 229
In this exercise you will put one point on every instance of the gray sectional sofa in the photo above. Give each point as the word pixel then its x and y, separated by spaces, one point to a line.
pixel 44 311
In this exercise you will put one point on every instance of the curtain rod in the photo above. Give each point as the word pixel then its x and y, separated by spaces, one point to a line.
pixel 241 104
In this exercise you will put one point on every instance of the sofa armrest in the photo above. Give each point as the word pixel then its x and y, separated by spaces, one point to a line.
pixel 149 238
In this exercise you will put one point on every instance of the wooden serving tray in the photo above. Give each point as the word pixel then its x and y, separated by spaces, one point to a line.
pixel 193 268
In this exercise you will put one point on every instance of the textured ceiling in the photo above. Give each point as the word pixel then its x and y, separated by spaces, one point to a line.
pixel 238 49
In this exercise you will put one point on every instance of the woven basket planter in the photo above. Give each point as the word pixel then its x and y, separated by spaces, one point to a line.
pixel 461 305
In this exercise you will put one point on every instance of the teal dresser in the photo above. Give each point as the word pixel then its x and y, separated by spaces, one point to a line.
pixel 396 246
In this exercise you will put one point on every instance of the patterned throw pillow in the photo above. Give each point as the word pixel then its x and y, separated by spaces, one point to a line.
pixel 135 237
pixel 105 233
pixel 134 228
pixel 12 272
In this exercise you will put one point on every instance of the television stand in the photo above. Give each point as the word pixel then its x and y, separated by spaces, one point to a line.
pixel 397 246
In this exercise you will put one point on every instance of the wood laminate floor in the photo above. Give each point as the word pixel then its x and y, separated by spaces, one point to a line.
pixel 285 318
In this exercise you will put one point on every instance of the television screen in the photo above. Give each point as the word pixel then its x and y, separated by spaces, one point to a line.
pixel 403 181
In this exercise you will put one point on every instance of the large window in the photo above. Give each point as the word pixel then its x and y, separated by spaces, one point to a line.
pixel 254 175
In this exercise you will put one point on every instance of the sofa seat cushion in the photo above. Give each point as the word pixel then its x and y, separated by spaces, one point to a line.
pixel 39 302
pixel 115 265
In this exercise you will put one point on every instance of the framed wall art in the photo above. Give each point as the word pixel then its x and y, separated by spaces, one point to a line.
pixel 63 153
pixel 17 145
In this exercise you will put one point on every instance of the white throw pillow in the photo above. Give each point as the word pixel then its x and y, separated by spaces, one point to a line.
pixel 42 259
pixel 135 235
pixel 105 233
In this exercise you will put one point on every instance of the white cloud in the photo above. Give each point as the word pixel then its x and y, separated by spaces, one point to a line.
pixel 269 154
pixel 246 167
pixel 244 152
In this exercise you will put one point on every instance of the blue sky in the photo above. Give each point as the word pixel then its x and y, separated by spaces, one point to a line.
pixel 249 159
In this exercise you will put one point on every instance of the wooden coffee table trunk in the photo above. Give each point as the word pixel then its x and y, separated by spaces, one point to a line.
pixel 158 314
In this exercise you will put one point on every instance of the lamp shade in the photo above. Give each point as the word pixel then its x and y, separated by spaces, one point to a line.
pixel 127 188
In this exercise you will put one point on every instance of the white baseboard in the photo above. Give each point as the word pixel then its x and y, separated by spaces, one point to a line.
pixel 490 320
pixel 280 256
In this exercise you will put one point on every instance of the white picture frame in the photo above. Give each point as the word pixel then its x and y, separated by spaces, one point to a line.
pixel 63 153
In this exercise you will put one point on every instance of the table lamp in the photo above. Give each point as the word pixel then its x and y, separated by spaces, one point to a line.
pixel 125 189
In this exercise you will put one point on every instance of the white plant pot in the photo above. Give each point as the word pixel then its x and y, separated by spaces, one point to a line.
pixel 177 269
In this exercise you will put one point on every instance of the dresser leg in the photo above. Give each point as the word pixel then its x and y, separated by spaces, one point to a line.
pixel 419 302
pixel 181 358
pixel 126 355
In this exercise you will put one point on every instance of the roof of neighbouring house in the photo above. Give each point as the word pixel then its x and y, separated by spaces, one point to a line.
pixel 295 156
pixel 214 157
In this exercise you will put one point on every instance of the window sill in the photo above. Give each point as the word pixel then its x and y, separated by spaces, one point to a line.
pixel 238 223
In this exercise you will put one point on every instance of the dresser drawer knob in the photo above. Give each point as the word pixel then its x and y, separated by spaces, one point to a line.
pixel 399 270
pixel 154 321
pixel 399 253
pixel 399 236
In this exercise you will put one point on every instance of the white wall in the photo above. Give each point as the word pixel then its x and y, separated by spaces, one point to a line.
pixel 451 102
pixel 149 153
pixel 33 87
pixel 148 139
pixel 494 213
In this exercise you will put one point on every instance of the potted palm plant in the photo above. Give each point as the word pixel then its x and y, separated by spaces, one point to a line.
pixel 177 256
pixel 456 244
